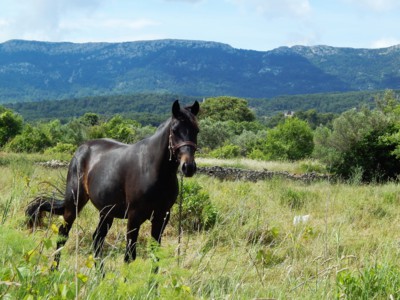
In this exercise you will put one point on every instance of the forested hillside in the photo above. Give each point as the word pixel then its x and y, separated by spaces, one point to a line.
pixel 31 71
pixel 151 108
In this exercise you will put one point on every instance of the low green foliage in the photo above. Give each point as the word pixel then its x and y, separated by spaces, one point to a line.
pixel 10 125
pixel 375 281
pixel 198 212
pixel 247 247
pixel 294 199
pixel 226 152
pixel 227 108
pixel 363 143
pixel 61 148
pixel 290 140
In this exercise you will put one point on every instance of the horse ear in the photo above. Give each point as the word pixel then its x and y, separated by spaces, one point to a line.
pixel 176 109
pixel 195 108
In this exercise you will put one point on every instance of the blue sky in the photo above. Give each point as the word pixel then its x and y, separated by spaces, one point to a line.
pixel 247 24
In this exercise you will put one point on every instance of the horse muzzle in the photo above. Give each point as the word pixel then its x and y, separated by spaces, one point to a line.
pixel 187 166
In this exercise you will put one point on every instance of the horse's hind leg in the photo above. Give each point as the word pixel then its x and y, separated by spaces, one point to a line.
pixel 99 235
pixel 75 200
pixel 134 222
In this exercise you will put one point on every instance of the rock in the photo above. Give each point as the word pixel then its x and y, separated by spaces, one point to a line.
pixel 233 174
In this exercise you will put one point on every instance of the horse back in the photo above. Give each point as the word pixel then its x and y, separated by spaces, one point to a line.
pixel 91 161
pixel 117 175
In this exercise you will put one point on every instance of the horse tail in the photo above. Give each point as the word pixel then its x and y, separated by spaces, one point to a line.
pixel 41 204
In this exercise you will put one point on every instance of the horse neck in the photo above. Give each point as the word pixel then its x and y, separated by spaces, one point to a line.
pixel 160 142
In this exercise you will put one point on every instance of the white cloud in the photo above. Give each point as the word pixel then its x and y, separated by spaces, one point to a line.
pixel 108 24
pixel 41 19
pixel 307 38
pixel 188 1
pixel 385 42
pixel 100 29
pixel 376 5
pixel 278 8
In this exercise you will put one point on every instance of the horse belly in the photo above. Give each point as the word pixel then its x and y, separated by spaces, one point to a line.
pixel 107 195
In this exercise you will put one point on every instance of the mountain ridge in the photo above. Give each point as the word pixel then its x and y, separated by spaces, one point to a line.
pixel 35 70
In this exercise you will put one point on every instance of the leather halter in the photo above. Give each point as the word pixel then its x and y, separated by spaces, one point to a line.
pixel 173 148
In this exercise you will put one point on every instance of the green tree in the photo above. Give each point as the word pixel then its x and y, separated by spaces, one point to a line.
pixel 314 118
pixel 291 140
pixel 10 125
pixel 370 158
pixel 362 143
pixel 213 134
pixel 90 119
pixel 249 141
pixel 31 140
pixel 226 108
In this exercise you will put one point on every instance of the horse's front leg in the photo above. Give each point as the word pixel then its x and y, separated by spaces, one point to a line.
pixel 158 223
pixel 131 236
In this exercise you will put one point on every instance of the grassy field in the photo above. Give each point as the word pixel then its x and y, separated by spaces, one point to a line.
pixel 348 248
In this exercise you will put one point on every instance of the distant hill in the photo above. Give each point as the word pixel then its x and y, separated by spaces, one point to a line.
pixel 152 108
pixel 31 71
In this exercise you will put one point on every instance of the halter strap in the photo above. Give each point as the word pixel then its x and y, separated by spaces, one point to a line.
pixel 173 148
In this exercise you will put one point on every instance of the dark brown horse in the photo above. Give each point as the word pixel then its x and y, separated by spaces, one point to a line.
pixel 137 182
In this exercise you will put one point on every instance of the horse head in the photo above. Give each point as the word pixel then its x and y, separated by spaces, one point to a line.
pixel 183 136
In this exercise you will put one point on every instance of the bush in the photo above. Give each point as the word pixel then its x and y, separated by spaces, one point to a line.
pixel 293 199
pixel 10 125
pixel 257 154
pixel 359 147
pixel 248 141
pixel 213 134
pixel 372 282
pixel 61 148
pixel 227 151
pixel 370 158
pixel 31 140
pixel 226 108
pixel 197 210
pixel 291 140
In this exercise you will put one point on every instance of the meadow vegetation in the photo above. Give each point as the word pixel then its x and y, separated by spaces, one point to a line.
pixel 348 248
pixel 272 239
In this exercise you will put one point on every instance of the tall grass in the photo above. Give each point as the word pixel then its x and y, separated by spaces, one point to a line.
pixel 348 248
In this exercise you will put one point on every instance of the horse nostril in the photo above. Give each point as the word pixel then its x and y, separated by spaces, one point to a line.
pixel 188 169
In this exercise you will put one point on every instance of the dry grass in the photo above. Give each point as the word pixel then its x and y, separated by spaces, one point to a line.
pixel 254 251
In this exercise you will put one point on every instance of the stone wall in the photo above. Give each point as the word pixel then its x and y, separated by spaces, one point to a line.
pixel 224 173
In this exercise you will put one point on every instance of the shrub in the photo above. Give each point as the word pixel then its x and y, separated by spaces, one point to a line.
pixel 61 148
pixel 32 139
pixel 213 134
pixel 291 140
pixel 248 141
pixel 370 157
pixel 10 125
pixel 226 108
pixel 293 199
pixel 227 151
pixel 372 282
pixel 257 154
pixel 197 210
pixel 358 147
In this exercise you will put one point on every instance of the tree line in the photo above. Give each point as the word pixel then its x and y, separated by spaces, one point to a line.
pixel 361 143
pixel 152 108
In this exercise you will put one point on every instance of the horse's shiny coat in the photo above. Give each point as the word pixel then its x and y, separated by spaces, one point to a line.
pixel 137 181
